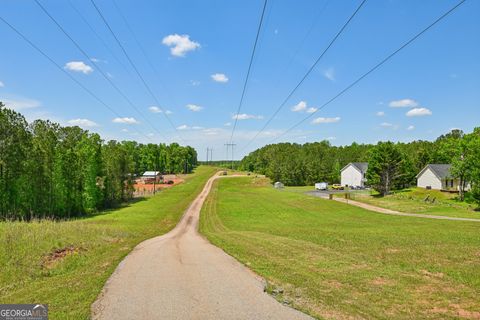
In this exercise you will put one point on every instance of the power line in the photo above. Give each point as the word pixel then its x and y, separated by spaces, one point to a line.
pixel 248 71
pixel 312 67
pixel 91 93
pixel 92 29
pixel 144 53
pixel 315 20
pixel 378 65
pixel 98 67
pixel 133 65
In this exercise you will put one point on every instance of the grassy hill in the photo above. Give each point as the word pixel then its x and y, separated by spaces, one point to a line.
pixel 66 263
pixel 337 261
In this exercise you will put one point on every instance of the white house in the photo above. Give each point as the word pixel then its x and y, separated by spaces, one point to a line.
pixel 354 174
pixel 437 177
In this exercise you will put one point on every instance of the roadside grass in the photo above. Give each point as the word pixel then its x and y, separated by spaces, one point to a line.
pixel 336 261
pixel 413 201
pixel 66 263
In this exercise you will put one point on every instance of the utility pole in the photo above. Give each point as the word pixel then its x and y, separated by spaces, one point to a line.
pixel 231 144
pixel 207 155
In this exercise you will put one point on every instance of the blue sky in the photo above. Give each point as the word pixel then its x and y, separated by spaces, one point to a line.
pixel 201 50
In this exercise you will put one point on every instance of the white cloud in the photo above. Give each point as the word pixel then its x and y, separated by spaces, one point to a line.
pixel 94 60
pixel 301 106
pixel 180 44
pixel 410 128
pixel 329 74
pixel 20 103
pixel 227 124
pixel 2 84
pixel 211 131
pixel 194 107
pixel 124 130
pixel 219 77
pixel 325 120
pixel 84 123
pixel 155 109
pixel 168 112
pixel 194 83
pixel 244 116
pixel 330 138
pixel 126 120
pixel 418 112
pixel 403 103
pixel 380 113
pixel 150 134
pixel 78 66
pixel 312 110
pixel 186 127
pixel 389 125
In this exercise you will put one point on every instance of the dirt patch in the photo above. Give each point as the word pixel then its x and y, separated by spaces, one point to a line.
pixel 53 258
pixel 379 281
pixel 428 274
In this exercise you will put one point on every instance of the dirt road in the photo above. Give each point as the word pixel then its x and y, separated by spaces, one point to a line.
pixel 180 275
pixel 388 211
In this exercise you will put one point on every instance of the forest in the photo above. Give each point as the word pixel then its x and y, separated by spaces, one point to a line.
pixel 51 171
pixel 297 165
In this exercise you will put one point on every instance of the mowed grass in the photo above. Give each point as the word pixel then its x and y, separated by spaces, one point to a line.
pixel 336 261
pixel 69 281
pixel 413 201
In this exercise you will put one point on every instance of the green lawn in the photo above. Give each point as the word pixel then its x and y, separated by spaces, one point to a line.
pixel 30 272
pixel 413 201
pixel 337 261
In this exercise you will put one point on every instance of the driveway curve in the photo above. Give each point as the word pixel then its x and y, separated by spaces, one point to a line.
pixel 180 275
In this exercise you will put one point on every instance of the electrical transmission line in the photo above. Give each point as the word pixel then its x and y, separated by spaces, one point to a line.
pixel 147 87
pixel 312 67
pixel 104 75
pixel 378 65
pixel 248 72
pixel 95 33
pixel 144 53
pixel 91 93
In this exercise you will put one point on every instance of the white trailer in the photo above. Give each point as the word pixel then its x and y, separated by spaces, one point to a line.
pixel 321 186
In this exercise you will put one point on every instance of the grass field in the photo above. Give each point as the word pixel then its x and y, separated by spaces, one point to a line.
pixel 65 264
pixel 413 201
pixel 337 261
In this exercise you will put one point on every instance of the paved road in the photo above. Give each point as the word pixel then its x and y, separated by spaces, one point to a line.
pixel 388 211
pixel 180 275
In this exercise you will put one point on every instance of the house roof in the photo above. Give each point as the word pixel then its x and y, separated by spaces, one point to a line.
pixel 442 171
pixel 360 166
pixel 151 173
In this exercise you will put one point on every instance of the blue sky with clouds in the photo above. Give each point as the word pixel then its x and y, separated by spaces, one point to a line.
pixel 200 50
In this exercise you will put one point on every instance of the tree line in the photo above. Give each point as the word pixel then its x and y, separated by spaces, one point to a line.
pixel 391 165
pixel 47 170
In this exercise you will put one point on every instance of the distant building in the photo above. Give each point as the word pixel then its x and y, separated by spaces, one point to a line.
pixel 437 177
pixel 354 174
pixel 151 176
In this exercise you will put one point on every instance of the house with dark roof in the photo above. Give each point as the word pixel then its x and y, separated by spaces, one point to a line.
pixel 354 174
pixel 437 177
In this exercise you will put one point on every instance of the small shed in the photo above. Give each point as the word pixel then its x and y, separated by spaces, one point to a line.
pixel 278 185
pixel 151 176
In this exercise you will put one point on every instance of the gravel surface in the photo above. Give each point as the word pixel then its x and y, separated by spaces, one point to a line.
pixel 180 275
